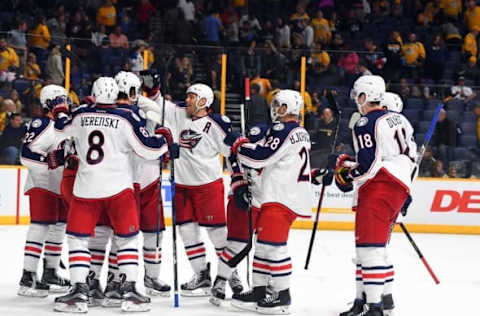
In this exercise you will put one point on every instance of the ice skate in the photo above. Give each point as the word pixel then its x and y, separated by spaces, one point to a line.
pixel 358 308
pixel 235 282
pixel 276 304
pixel 95 292
pixel 388 305
pixel 199 285
pixel 31 286
pixel 248 300
pixel 218 291
pixel 74 302
pixel 113 296
pixel 56 283
pixel 156 287
pixel 132 301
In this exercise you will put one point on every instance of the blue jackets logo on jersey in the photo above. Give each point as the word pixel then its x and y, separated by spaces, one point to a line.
pixel 189 139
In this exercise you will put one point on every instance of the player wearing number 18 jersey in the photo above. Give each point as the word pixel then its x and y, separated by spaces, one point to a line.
pixel 286 195
pixel 105 138
pixel 385 155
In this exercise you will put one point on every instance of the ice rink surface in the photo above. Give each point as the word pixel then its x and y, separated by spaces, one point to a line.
pixel 324 290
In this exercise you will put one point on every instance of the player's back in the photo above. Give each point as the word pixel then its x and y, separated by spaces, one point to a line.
pixel 105 139
pixel 385 140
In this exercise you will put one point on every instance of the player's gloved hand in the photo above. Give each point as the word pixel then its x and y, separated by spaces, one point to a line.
pixel 89 100
pixel 343 169
pixel 71 162
pixel 318 175
pixel 173 151
pixel 59 105
pixel 239 187
pixel 55 158
pixel 345 188
pixel 405 206
pixel 165 132
pixel 238 143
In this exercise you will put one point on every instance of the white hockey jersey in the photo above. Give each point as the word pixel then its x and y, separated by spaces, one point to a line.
pixel 284 157
pixel 43 135
pixel 201 142
pixel 384 140
pixel 105 138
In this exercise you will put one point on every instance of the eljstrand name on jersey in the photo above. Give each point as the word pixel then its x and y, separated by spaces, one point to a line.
pixel 99 121
pixel 299 136
pixel 394 120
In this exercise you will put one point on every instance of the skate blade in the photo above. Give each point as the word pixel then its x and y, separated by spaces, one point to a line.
pixel 111 302
pixel 128 306
pixel 218 301
pixel 71 308
pixel 388 312
pixel 251 306
pixel 279 310
pixel 53 288
pixel 201 292
pixel 154 292
pixel 94 302
pixel 30 292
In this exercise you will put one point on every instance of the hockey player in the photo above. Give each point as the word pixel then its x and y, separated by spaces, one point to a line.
pixel 385 155
pixel 199 191
pixel 146 177
pixel 47 210
pixel 392 102
pixel 104 139
pixel 237 215
pixel 286 195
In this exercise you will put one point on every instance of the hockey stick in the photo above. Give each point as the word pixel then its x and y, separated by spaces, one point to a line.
pixel 243 121
pixel 333 103
pixel 414 174
pixel 154 116
pixel 244 252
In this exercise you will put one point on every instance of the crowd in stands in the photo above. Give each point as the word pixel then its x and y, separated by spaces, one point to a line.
pixel 427 51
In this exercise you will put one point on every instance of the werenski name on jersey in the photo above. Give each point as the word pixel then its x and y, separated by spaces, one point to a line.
pixel 99 121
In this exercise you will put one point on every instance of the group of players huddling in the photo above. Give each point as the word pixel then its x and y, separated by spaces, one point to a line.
pixel 94 175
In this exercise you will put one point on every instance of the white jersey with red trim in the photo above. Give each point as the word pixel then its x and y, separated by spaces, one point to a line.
pixel 384 140
pixel 201 142
pixel 105 139
pixel 43 135
pixel 284 157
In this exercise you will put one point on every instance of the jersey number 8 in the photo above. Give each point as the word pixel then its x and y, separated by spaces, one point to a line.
pixel 95 143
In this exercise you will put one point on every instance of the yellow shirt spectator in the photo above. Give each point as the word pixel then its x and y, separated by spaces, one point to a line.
pixel 426 17
pixel 470 44
pixel 321 58
pixel 451 7
pixel 264 84
pixel 270 95
pixel 107 15
pixel 8 58
pixel 307 99
pixel 150 57
pixel 3 121
pixel 472 18
pixel 40 36
pixel 321 28
pixel 32 72
pixel 412 52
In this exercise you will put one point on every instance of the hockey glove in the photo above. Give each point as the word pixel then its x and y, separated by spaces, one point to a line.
pixel 55 158
pixel 405 206
pixel 345 188
pixel 173 151
pixel 71 162
pixel 59 105
pixel 238 143
pixel 165 132
pixel 318 175
pixel 239 187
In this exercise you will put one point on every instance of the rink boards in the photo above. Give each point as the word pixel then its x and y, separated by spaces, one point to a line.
pixel 439 205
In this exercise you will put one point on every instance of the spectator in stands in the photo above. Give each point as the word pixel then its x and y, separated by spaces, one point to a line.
pixel 307 32
pixel 427 16
pixel 18 41
pixel 212 27
pixel 57 27
pixel 258 111
pixel 372 59
pixel 319 64
pixel 145 10
pixel 40 40
pixel 414 55
pixel 437 170
pixel 135 60
pixel 54 67
pixel 118 40
pixel 404 89
pixel 181 75
pixel 215 73
pixel 246 34
pixel 99 35
pixel 9 61
pixel 3 115
pixel 273 62
pixel 299 14
pixel 363 69
pixel 348 64
pixel 107 15
pixel 426 166
pixel 282 34
pixel 437 54
pixel 321 28
pixel 451 9
pixel 470 70
pixel 188 8
pixel 444 138
pixel 10 107
pixel 251 62
pixel 32 69
pixel 452 171
pixel 264 84
pixel 451 34
pixel 393 53
pixel 16 100
pixel 472 15
pixel 462 92
pixel 469 47
pixel 11 140
pixel 252 21
pixel 322 137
